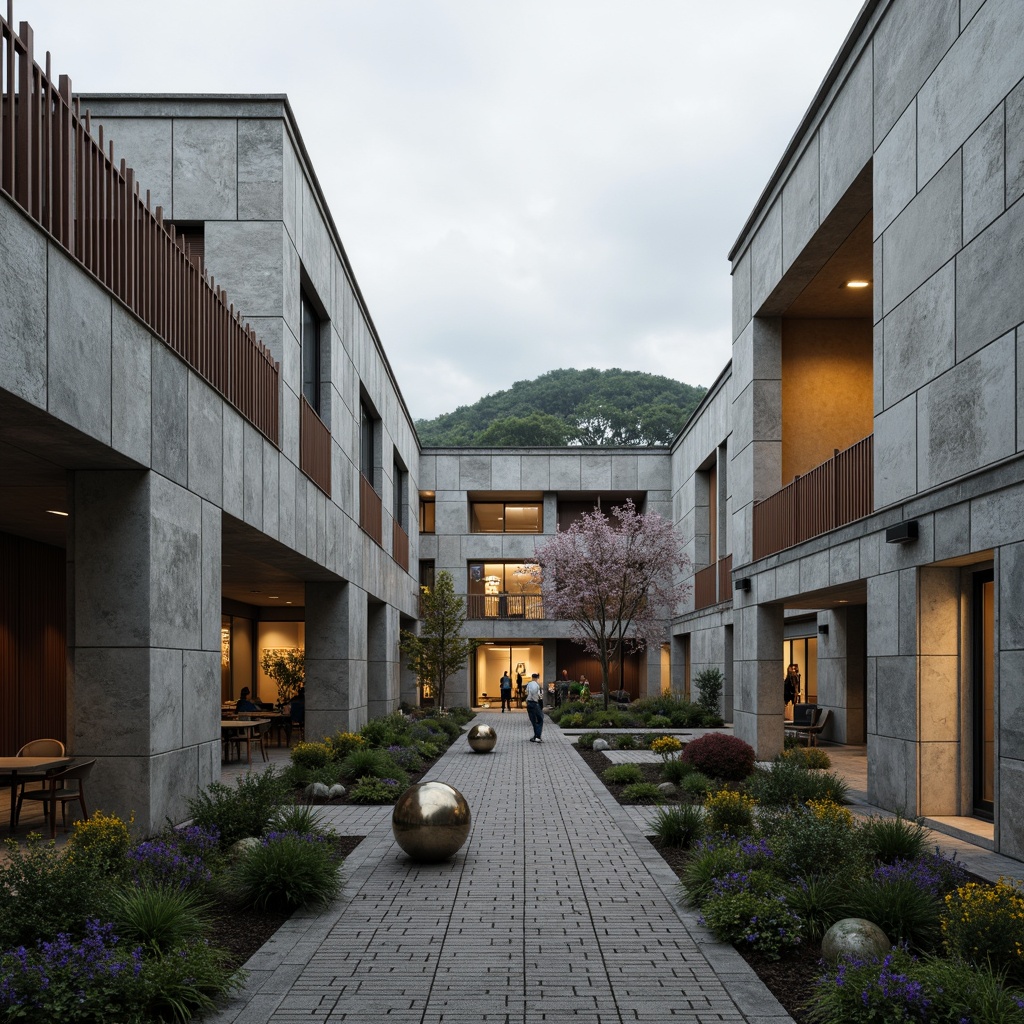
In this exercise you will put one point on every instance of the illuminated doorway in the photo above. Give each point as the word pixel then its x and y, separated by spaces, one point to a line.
pixel 983 693
pixel 494 659
pixel 801 651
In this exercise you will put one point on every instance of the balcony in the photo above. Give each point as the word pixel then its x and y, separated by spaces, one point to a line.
pixel 314 447
pixel 505 606
pixel 831 495
pixel 371 519
pixel 713 584
pixel 399 545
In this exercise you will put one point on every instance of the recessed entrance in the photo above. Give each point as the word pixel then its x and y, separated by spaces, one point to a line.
pixel 494 659
pixel 983 692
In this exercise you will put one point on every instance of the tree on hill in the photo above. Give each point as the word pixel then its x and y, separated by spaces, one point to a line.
pixel 607 407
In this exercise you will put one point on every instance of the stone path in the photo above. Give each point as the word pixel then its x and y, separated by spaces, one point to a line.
pixel 556 909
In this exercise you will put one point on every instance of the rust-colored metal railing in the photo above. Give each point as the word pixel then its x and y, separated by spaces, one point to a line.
pixel 505 606
pixel 371 519
pixel 725 578
pixel 69 184
pixel 831 495
pixel 704 590
pixel 399 545
pixel 314 446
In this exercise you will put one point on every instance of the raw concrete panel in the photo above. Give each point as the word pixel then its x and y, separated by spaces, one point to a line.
pixel 212 578
pixel 968 9
pixel 248 259
pixel 896 453
pixel 800 218
pixel 1011 704
pixel 974 76
pixel 895 171
pixel 996 518
pixel 78 345
pixel 919 337
pixel 939 698
pixel 232 492
pixel 261 170
pixel 506 472
pixel 908 45
pixel 1011 609
pixel 883 615
pixel 111 701
pixel 985 307
pixel 845 136
pixel 565 472
pixel 205 169
pixel 170 413
pixel 895 680
pixel 474 473
pixel 252 476
pixel 766 256
pixel 741 309
pixel 144 143
pixel 952 530
pixel 940 778
pixel 925 236
pixel 984 174
pixel 595 472
pixel 22 307
pixel 205 440
pixel 131 422
pixel 1010 812
pixel 967 417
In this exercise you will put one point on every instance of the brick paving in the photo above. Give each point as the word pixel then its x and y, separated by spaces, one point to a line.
pixel 556 909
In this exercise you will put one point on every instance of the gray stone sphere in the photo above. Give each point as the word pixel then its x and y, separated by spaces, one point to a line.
pixel 600 745
pixel 243 846
pixel 482 738
pixel 431 821
pixel 668 788
pixel 854 936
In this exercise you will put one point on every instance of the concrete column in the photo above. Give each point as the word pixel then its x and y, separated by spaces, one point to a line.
pixel 728 686
pixel 144 650
pixel 757 694
pixel 381 664
pixel 841 671
pixel 336 683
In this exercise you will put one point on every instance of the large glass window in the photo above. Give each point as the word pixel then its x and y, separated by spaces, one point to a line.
pixel 503 590
pixel 367 445
pixel 506 517
pixel 400 487
pixel 310 343
pixel 426 512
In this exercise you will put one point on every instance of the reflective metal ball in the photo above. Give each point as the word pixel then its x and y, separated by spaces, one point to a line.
pixel 431 821
pixel 482 738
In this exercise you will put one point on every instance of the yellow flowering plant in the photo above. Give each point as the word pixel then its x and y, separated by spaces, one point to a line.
pixel 666 747
pixel 985 924
pixel 729 811
pixel 312 755
pixel 102 840
pixel 831 813
pixel 343 743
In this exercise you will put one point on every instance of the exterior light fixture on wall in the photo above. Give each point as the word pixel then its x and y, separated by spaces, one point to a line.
pixel 902 533
pixel 823 629
pixel 742 584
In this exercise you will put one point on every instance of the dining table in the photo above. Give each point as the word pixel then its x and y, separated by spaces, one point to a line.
pixel 240 728
pixel 26 769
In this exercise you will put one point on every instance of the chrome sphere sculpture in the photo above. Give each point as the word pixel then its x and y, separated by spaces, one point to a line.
pixel 431 821
pixel 482 738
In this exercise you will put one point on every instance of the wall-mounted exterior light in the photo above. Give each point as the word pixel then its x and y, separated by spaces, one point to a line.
pixel 902 533
pixel 742 584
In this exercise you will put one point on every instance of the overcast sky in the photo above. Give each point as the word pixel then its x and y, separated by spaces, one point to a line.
pixel 521 185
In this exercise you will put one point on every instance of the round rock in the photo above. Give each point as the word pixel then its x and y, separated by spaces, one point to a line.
pixel 668 788
pixel 317 790
pixel 482 738
pixel 854 936
pixel 336 791
pixel 431 821
pixel 600 744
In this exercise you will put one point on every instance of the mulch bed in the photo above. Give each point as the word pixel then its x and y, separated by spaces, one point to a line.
pixel 790 981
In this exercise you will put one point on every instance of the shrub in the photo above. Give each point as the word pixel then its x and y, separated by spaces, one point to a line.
pixel 903 910
pixel 159 917
pixel 623 774
pixel 572 720
pixel 241 811
pixel 626 742
pixel 720 756
pixel 286 871
pixel 586 740
pixel 387 730
pixel 819 900
pixel 295 777
pixel 343 743
pixel 688 717
pixel 378 764
pixel 450 726
pixel 937 874
pixel 809 843
pixel 371 790
pixel 312 755
pixel 187 981
pixel 760 922
pixel 407 758
pixel 730 812
pixel 602 719
pixel 659 722
pixel 713 859
pixel 709 685
pixel 643 793
pixel 177 858
pixel 788 783
pixel 808 757
pixel 679 827
pixel 103 840
pixel 675 771
pixel 461 715
pixel 892 839
pixel 666 747
pixel 984 923
pixel 695 784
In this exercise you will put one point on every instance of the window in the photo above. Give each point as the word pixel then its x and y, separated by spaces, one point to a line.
pixel 310 345
pixel 400 493
pixel 426 574
pixel 426 512
pixel 506 517
pixel 367 442
pixel 192 238
pixel 504 590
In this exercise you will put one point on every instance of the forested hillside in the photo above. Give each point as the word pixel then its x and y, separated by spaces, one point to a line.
pixel 569 407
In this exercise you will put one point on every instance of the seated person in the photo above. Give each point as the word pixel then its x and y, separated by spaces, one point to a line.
pixel 244 704
pixel 298 710
pixel 621 696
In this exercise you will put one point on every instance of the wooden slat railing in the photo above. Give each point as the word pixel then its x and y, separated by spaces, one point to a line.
pixel 69 184
pixel 831 495
pixel 314 447
pixel 371 519
pixel 725 578
pixel 704 592
pixel 399 545
pixel 505 606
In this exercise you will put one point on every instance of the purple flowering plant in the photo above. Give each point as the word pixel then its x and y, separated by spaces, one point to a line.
pixel 177 858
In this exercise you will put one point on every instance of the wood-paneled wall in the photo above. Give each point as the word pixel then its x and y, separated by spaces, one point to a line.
pixel 33 616
pixel 572 657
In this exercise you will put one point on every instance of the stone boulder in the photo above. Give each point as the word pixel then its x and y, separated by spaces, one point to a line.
pixel 854 936
pixel 600 744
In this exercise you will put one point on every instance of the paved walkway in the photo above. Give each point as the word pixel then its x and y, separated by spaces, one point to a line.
pixel 556 909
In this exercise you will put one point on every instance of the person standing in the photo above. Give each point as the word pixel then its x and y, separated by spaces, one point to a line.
pixel 506 691
pixel 562 693
pixel 535 706
pixel 791 685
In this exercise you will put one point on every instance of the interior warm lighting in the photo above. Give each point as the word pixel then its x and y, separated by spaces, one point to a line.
pixel 56 512
pixel 272 597
pixel 858 284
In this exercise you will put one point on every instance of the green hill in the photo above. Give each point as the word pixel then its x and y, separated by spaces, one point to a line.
pixel 567 407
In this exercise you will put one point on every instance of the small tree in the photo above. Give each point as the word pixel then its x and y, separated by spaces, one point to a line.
pixel 440 649
pixel 618 583
pixel 287 667
pixel 709 689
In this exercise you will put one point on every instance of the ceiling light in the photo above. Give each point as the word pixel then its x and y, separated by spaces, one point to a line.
pixel 57 512
pixel 287 602
pixel 858 284
pixel 273 597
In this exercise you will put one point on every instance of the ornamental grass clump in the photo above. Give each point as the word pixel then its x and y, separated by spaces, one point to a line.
pixel 286 871
pixel 158 917
pixel 787 782
pixel 985 924
pixel 643 793
pixel 695 784
pixel 679 827
pixel 378 764
pixel 675 771
pixel 731 812
pixel 586 740
pixel 900 907
pixel 388 730
pixel 891 839
pixel 626 742
pixel 720 756
pixel 819 900
pixel 809 842
pixel 623 774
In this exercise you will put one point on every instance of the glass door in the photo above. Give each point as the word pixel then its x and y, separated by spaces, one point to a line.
pixel 518 660
pixel 983 693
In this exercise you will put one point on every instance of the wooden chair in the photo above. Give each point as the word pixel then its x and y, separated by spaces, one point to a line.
pixel 39 748
pixel 264 736
pixel 813 730
pixel 57 791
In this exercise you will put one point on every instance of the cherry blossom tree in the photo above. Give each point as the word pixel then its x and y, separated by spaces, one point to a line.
pixel 617 579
